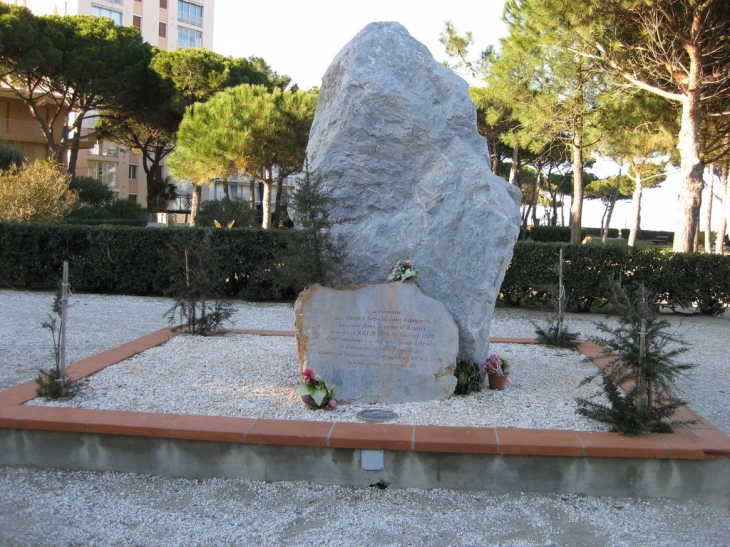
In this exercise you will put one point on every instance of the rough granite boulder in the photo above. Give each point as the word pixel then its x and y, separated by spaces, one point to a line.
pixel 395 140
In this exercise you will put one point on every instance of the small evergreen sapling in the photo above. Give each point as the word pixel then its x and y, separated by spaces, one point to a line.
pixel 317 257
pixel 642 358
pixel 52 383
pixel 198 305
pixel 556 332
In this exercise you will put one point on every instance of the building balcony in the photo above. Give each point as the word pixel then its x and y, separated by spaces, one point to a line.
pixel 30 132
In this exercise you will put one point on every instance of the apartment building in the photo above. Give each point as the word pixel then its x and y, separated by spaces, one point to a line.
pixel 167 24
pixel 19 128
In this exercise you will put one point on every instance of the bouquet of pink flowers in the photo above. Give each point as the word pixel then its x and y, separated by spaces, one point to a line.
pixel 316 388
pixel 496 364
pixel 402 270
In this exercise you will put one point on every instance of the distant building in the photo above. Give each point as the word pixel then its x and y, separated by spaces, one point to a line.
pixel 19 128
pixel 167 24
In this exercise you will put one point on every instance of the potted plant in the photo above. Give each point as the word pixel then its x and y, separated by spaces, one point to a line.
pixel 315 392
pixel 497 369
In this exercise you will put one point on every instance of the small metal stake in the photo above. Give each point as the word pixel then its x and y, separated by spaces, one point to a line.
pixel 62 343
pixel 561 295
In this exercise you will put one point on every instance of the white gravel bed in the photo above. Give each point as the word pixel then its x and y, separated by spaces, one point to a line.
pixel 256 376
pixel 100 322
pixel 71 508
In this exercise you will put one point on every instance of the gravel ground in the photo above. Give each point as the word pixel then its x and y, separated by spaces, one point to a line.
pixel 65 508
pixel 255 377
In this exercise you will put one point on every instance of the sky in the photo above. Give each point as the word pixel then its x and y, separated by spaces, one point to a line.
pixel 300 38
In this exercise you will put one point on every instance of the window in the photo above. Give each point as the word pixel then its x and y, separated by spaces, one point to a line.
pixel 115 16
pixel 132 172
pixel 115 2
pixel 4 116
pixel 163 4
pixel 189 13
pixel 105 148
pixel 137 21
pixel 163 30
pixel 104 171
pixel 187 37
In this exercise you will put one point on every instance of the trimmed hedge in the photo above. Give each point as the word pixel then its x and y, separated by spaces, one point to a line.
pixel 562 233
pixel 676 279
pixel 549 233
pixel 256 264
pixel 135 260
pixel 105 221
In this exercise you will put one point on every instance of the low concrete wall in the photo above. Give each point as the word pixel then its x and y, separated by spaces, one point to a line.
pixel 706 480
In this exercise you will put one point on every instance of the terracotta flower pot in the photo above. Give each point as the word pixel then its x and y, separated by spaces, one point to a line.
pixel 497 381
pixel 311 403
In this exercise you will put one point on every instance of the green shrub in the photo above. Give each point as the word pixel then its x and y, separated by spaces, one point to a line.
pixel 10 156
pixel 92 192
pixel 37 192
pixel 675 279
pixel 648 235
pixel 468 378
pixel 251 263
pixel 226 210
pixel 598 233
pixel 549 233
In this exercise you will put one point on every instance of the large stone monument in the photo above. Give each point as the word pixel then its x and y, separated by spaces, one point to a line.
pixel 386 343
pixel 395 140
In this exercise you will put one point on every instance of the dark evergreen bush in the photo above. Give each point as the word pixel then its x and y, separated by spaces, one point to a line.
pixel 678 280
pixel 642 358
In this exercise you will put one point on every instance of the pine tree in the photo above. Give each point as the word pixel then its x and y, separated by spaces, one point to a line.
pixel 318 255
pixel 642 358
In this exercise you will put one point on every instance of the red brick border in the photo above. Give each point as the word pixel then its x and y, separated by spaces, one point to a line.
pixel 700 441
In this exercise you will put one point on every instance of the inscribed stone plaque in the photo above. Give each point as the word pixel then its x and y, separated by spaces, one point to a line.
pixel 385 343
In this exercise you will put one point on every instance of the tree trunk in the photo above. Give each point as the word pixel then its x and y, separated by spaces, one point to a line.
pixel 692 167
pixel 252 194
pixel 708 210
pixel 535 196
pixel 266 199
pixel 554 214
pixel 225 190
pixel 277 209
pixel 609 209
pixel 74 155
pixel 609 214
pixel 576 206
pixel 195 205
pixel 722 230
pixel 636 221
pixel 515 168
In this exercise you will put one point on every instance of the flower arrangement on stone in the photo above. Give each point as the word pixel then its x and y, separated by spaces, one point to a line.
pixel 402 271
pixel 316 388
pixel 496 364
